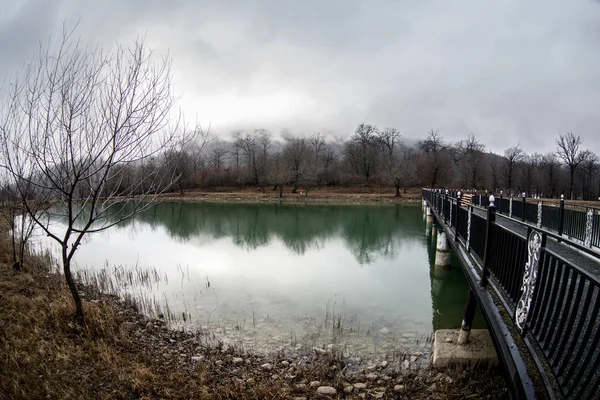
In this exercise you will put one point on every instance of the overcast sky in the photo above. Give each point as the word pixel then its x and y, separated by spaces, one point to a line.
pixel 506 71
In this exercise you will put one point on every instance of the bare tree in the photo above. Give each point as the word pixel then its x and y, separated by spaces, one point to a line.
pixel 513 158
pixel 278 171
pixel 568 151
pixel 495 169
pixel 550 172
pixel 433 163
pixel 471 151
pixel 80 118
pixel 317 141
pixel 403 167
pixel 319 147
pixel 389 140
pixel 14 214
pixel 296 155
pixel 530 167
pixel 364 149
pixel 251 151
pixel 589 169
pixel 265 141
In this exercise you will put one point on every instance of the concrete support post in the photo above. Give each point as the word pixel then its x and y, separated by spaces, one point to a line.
pixel 467 322
pixel 442 250
pixel 429 216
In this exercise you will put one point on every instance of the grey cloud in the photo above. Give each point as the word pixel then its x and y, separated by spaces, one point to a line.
pixel 507 71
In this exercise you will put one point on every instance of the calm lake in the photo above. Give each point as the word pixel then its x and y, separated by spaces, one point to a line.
pixel 266 276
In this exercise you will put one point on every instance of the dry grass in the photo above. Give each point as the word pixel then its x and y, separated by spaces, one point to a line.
pixel 347 194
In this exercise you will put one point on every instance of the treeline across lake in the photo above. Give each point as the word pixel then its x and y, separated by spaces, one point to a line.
pixel 375 156
pixel 367 231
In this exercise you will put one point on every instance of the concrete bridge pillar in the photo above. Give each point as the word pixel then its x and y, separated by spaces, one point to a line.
pixel 430 216
pixel 442 250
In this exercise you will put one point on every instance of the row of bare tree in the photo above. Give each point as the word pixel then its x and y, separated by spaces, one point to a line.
pixel 384 157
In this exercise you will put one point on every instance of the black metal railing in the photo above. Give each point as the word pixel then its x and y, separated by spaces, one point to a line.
pixel 558 293
pixel 564 322
pixel 569 221
pixel 574 224
pixel 550 217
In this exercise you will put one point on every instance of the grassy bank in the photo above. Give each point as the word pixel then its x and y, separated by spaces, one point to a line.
pixel 349 194
pixel 120 353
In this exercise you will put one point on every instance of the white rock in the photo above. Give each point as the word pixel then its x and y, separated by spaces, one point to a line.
pixel 314 383
pixel 371 376
pixel 237 360
pixel 360 385
pixel 267 366
pixel 384 364
pixel 319 350
pixel 371 368
pixel 326 390
pixel 399 388
pixel 197 358
pixel 384 331
pixel 406 364
pixel 348 389
pixel 285 363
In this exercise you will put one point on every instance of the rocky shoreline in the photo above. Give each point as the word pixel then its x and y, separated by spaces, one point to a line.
pixel 300 373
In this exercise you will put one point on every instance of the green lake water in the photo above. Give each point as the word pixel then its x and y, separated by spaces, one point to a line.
pixel 266 276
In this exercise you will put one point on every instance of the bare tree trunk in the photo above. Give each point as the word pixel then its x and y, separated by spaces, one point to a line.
pixel 16 263
pixel 71 283
pixel 280 191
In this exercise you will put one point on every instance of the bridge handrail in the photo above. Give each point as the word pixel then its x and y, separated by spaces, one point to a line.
pixel 548 311
pixel 570 221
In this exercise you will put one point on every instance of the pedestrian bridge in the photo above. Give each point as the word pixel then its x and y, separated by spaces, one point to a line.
pixel 534 270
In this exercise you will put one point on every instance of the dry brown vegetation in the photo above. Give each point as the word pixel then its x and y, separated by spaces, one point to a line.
pixel 340 194
pixel 122 354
